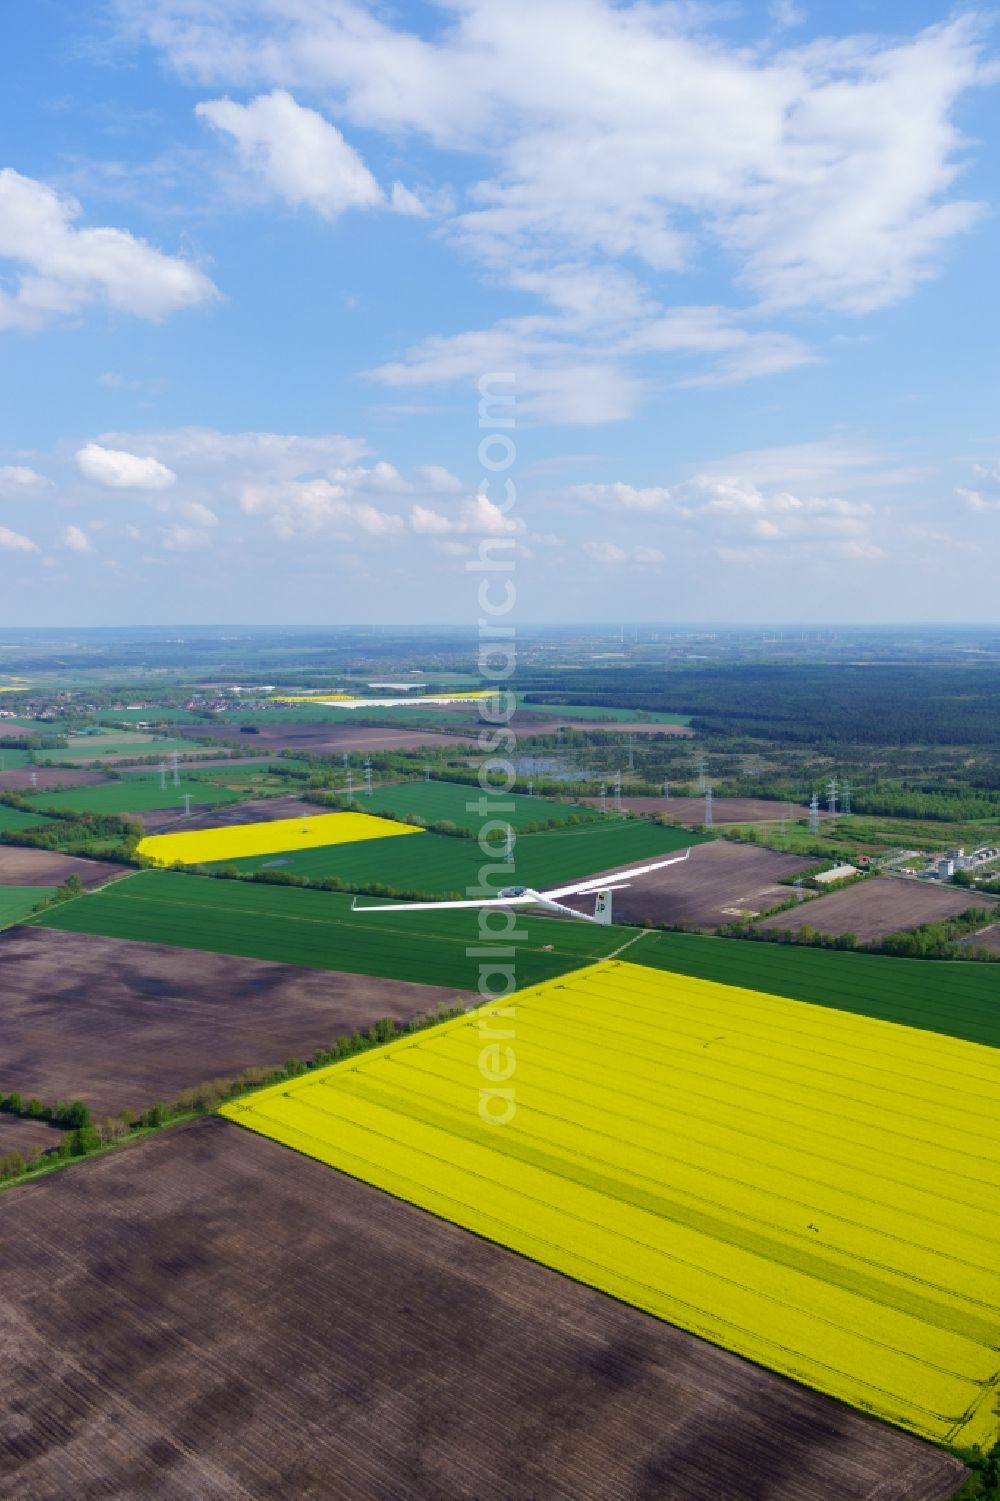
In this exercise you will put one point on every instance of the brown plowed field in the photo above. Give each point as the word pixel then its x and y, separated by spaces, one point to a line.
pixel 25 1136
pixel 690 811
pixel 21 866
pixel 207 1315
pixel 323 738
pixel 884 904
pixel 718 883
pixel 989 938
pixel 223 815
pixel 48 776
pixel 126 1024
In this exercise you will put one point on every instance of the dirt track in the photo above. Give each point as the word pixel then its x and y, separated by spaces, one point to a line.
pixel 884 904
pixel 126 1024
pixel 207 1315
pixel 718 883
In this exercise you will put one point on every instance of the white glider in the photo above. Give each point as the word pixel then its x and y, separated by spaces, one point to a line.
pixel 548 901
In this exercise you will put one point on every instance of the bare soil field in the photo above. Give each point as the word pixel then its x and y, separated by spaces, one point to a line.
pixel 20 866
pixel 19 780
pixel 884 904
pixel 690 811
pixel 254 810
pixel 206 1314
pixel 328 737
pixel 127 1024
pixel 989 938
pixel 25 1136
pixel 718 883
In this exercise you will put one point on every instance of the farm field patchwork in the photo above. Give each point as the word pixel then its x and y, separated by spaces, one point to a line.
pixel 721 881
pixel 17 901
pixel 439 865
pixel 11 758
pixel 135 795
pixel 238 841
pixel 955 998
pixel 317 929
pixel 243 1331
pixel 812 1190
pixel 448 800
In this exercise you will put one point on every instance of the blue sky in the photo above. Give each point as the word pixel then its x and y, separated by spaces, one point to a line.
pixel 255 256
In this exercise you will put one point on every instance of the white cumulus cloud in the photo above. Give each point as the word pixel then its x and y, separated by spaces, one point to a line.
pixel 76 540
pixel 19 479
pixel 16 541
pixel 118 469
pixel 59 268
pixel 298 154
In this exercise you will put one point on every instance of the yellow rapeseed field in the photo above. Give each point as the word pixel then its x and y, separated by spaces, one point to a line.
pixel 815 1190
pixel 194 846
pixel 459 697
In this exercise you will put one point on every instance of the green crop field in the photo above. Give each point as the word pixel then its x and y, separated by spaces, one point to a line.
pixel 133 795
pixel 448 800
pixel 111 747
pixel 247 778
pixel 12 760
pixel 151 716
pixel 959 998
pixel 601 711
pixel 17 901
pixel 439 865
pixel 317 929
pixel 12 820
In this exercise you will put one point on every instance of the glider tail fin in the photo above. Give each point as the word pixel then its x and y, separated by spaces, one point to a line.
pixel 602 907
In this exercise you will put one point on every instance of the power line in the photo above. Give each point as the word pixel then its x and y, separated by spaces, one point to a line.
pixel 708 807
